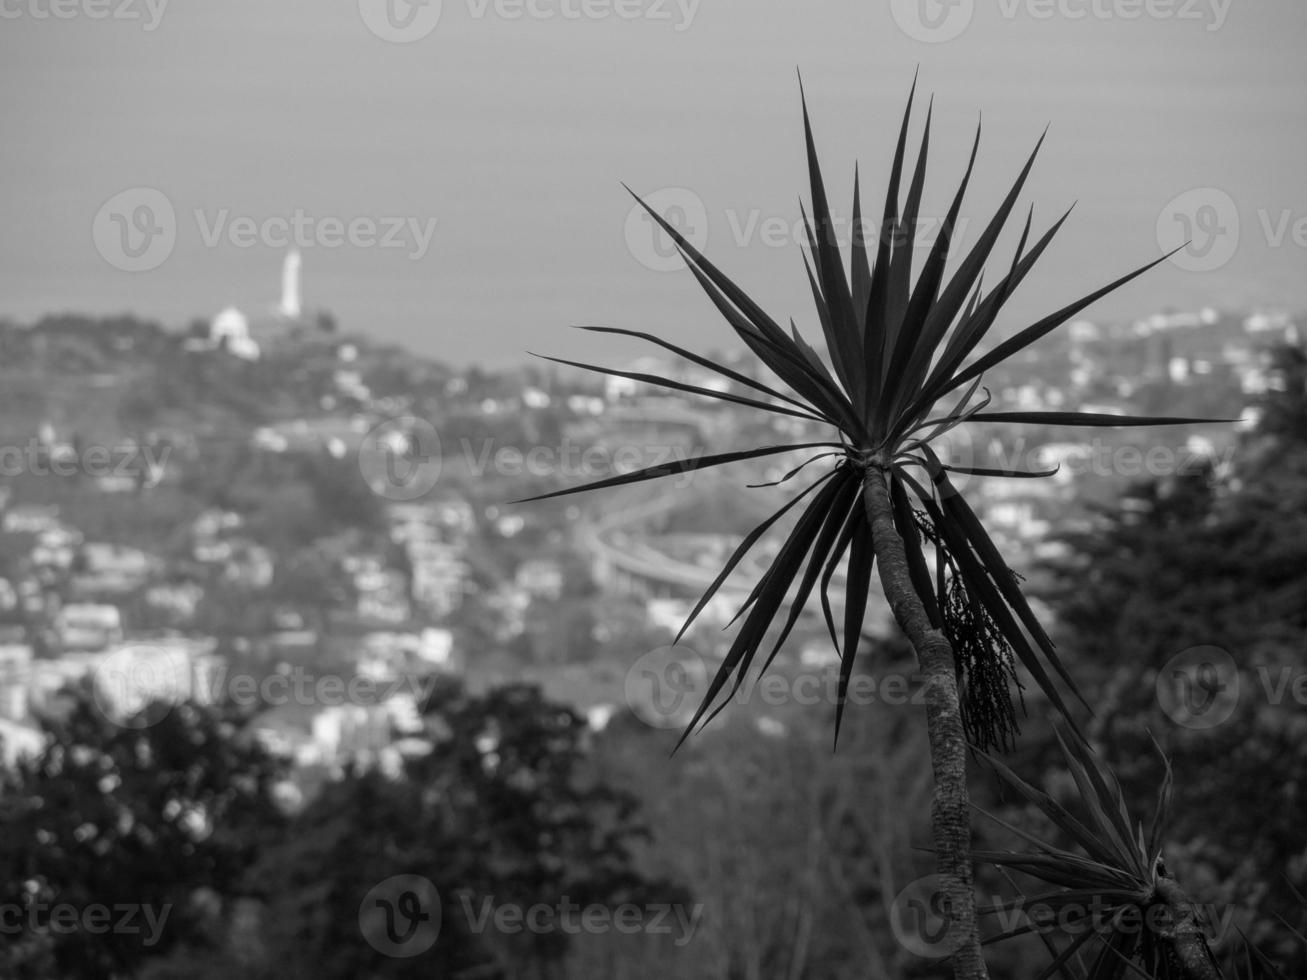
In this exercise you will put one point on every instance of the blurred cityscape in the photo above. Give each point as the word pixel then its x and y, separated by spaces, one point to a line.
pixel 270 495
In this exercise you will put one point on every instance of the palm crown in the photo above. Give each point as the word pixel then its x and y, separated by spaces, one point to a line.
pixel 896 349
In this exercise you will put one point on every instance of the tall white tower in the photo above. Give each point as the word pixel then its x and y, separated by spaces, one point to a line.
pixel 290 286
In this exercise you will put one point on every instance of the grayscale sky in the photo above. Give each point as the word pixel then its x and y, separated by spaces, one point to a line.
pixel 511 123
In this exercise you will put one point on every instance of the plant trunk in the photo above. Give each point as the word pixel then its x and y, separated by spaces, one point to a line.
pixel 1180 930
pixel 950 810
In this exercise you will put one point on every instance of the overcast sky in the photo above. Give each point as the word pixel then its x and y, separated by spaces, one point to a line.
pixel 497 135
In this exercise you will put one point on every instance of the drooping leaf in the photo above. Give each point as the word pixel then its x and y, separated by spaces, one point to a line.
pixel 1102 419
pixel 973 531
pixel 991 471
pixel 794 472
pixel 917 570
pixel 775 585
pixel 861 559
pixel 856 515
pixel 840 502
pixel 979 583
pixel 741 550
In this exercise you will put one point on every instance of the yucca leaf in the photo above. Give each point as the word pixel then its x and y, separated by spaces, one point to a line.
pixel 704 362
pixel 1025 835
pixel 861 559
pixel 785 361
pixel 1116 958
pixel 761 585
pixel 653 379
pixel 680 466
pixel 818 300
pixel 1056 869
pixel 794 472
pixel 1064 957
pixel 955 417
pixel 911 535
pixel 1101 794
pixel 757 316
pixel 1030 334
pixel 944 312
pixel 956 506
pixel 1058 814
pixel 859 265
pixel 840 502
pixel 758 330
pixel 809 354
pixel 855 516
pixel 1068 869
pixel 1265 963
pixel 1044 937
pixel 1090 419
pixel 741 550
pixel 776 584
pixel 926 320
pixel 845 341
pixel 990 471
pixel 1099 813
pixel 877 346
pixel 975 323
pixel 900 273
pixel 1057 900
pixel 975 297
pixel 979 584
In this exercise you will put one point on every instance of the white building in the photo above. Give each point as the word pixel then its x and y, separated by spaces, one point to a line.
pixel 231 328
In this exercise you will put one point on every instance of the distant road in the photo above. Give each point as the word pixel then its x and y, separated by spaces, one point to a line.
pixel 610 540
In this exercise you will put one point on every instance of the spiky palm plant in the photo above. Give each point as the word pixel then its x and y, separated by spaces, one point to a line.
pixel 1125 914
pixel 896 348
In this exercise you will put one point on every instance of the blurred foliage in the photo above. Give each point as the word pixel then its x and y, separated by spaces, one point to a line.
pixel 498 807
pixel 1211 559
pixel 161 817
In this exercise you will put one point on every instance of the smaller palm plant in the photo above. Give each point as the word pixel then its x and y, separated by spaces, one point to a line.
pixel 1116 899
pixel 896 350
